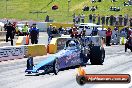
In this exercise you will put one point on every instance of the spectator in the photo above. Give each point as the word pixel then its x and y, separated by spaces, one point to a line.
pixel 115 35
pixel 74 32
pixel 114 8
pixel 114 21
pixel 98 23
pixel 111 20
pixel 47 18
pixel 49 32
pixel 5 25
pixel 54 31
pixel 130 32
pixel 92 1
pixel 34 34
pixel 111 8
pixel 60 30
pixel 10 32
pixel 123 33
pixel 125 4
pixel 99 0
pixel 113 1
pixel 130 22
pixel 95 31
pixel 107 20
pixel 83 32
pixel 14 25
pixel 117 21
pixel 125 19
pixel 79 18
pixel 118 9
pixel 25 30
pixel 94 18
pixel 85 8
pixel 103 20
pixel 115 32
pixel 130 2
pixel 93 8
pixel 70 31
pixel 96 7
pixel 108 36
pixel 82 18
pixel 120 20
pixel 90 18
pixel 128 44
pixel 74 17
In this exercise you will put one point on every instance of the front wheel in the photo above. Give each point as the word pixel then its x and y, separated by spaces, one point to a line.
pixel 55 67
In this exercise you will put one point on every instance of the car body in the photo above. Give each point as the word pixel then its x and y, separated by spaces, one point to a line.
pixel 72 56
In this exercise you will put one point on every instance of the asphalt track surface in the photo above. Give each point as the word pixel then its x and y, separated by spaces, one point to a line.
pixel 117 61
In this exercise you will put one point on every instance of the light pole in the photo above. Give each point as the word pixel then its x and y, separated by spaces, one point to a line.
pixel 68 7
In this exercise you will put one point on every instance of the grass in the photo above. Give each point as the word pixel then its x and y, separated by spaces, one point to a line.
pixel 19 9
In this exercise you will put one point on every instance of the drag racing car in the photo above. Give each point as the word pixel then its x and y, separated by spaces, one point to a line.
pixel 74 53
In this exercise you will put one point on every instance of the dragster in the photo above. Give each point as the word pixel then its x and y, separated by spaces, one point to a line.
pixel 77 51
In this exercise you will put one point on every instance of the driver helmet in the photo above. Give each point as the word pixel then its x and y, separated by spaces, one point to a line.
pixel 72 43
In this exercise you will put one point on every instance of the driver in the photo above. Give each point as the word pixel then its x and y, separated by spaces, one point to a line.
pixel 71 44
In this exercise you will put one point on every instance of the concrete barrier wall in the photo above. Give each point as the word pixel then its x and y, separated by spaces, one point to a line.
pixel 2 44
pixel 11 52
pixel 21 40
pixel 35 50
pixel 52 47
pixel 16 52
pixel 2 35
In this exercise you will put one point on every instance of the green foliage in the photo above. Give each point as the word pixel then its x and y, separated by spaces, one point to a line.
pixel 20 9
